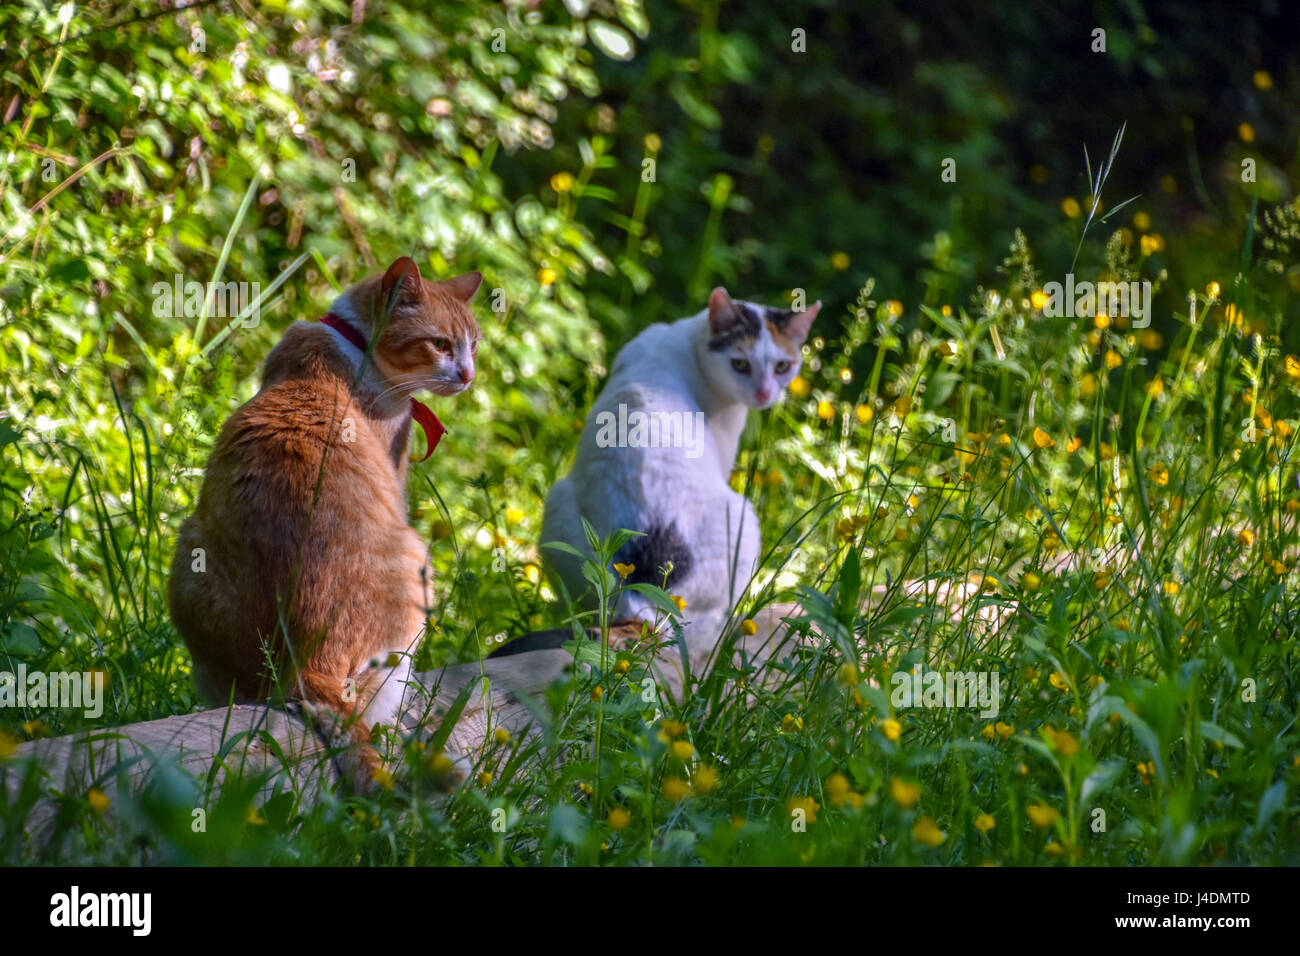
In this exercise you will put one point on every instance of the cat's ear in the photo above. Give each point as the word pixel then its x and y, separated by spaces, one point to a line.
pixel 799 323
pixel 723 313
pixel 464 287
pixel 403 270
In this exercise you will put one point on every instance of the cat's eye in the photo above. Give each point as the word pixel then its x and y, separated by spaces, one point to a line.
pixel 740 365
pixel 441 344
pixel 781 367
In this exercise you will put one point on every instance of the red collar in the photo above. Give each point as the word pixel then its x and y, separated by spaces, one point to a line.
pixel 423 415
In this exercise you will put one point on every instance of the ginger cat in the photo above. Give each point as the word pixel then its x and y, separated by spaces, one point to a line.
pixel 301 526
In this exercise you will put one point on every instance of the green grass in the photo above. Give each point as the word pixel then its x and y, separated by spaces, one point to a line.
pixel 1138 549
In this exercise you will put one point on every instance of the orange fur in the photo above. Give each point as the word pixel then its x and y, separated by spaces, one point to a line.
pixel 299 549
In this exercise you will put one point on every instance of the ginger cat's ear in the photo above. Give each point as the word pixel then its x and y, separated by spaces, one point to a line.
pixel 723 313
pixel 465 286
pixel 403 270
pixel 800 322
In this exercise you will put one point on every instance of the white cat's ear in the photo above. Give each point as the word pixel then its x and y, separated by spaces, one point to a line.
pixel 722 311
pixel 799 323
pixel 403 270
pixel 464 287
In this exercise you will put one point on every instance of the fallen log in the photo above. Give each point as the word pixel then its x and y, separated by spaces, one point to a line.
pixel 261 739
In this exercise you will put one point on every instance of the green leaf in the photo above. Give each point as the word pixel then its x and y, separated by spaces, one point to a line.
pixel 613 41
pixel 1215 732
pixel 21 641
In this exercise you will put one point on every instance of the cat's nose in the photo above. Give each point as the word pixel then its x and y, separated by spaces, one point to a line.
pixel 466 375
pixel 763 394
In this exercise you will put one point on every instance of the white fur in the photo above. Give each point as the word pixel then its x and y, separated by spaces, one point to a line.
pixel 669 368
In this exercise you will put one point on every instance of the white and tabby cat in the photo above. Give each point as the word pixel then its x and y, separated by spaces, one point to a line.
pixel 657 453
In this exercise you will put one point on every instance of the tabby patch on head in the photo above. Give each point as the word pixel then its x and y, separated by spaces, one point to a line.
pixel 761 345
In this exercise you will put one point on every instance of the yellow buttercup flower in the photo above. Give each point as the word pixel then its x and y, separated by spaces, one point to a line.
pixel 619 819
pixel 683 750
pixel 1112 359
pixel 484 778
pixel 546 276
pixel 705 779
pixel 1004 731
pixel 1042 439
pixel 905 794
pixel 673 728
pixel 985 822
pixel 1042 816
pixel 988 732
pixel 798 386
pixel 624 569
pixel 514 515
pixel 808 805
pixel 790 722
pixel 837 788
pixel 1066 744
pixel 1159 474
pixel 864 414
pixel 926 831
pixel 562 182
pixel 1070 206
pixel 891 728
pixel 825 410
pixel 894 308
pixel 839 261
pixel 1039 299
pixel 1245 537
pixel 748 627
pixel 98 800
pixel 679 601
pixel 501 735
pixel 1058 680
pixel 675 789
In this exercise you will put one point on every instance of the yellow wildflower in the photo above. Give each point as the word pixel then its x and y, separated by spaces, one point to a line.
pixel 1042 816
pixel 926 831
pixel 619 819
pixel 675 789
pixel 905 794
pixel 705 779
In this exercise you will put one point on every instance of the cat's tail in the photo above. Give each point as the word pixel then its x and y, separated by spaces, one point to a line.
pixel 342 727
